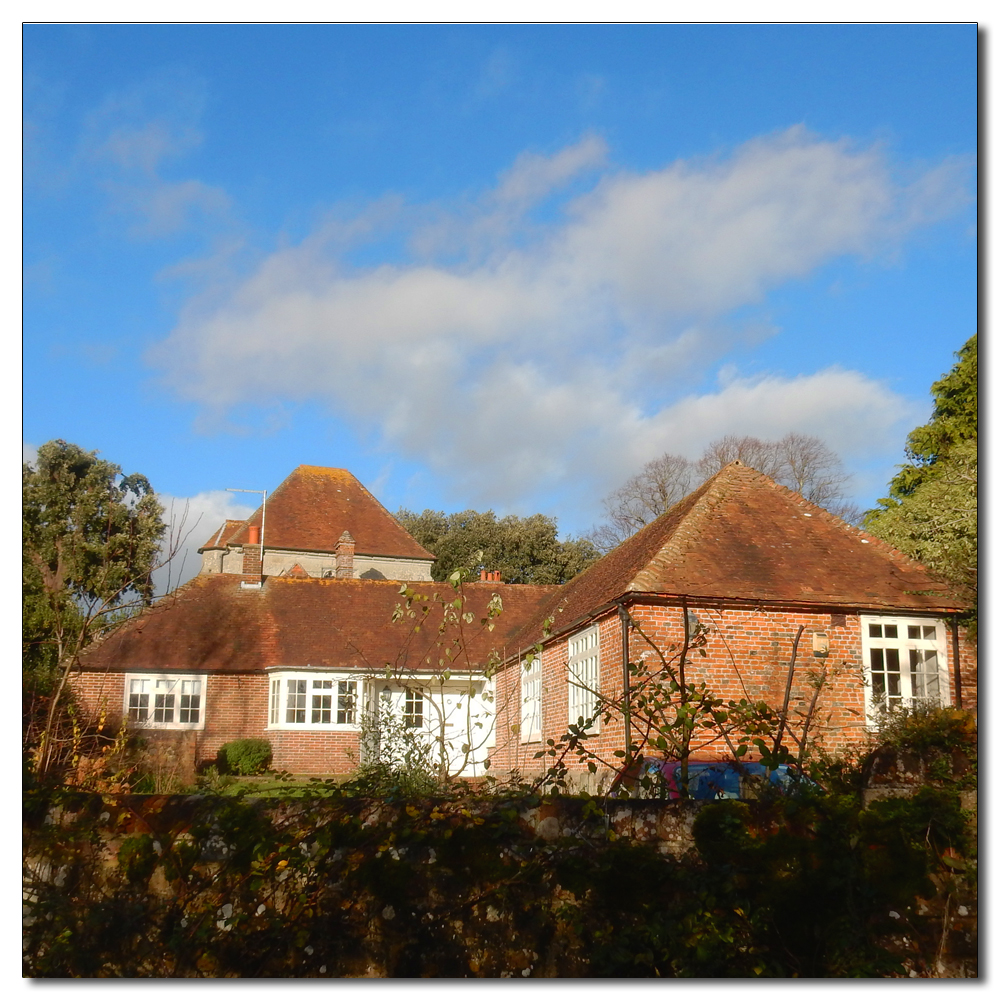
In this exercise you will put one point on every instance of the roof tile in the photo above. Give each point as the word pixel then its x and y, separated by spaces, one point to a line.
pixel 315 505
pixel 743 536
pixel 211 624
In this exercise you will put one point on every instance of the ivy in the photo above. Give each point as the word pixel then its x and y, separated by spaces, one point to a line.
pixel 337 885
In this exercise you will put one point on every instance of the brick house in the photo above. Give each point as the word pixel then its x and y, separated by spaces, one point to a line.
pixel 751 562
pixel 296 653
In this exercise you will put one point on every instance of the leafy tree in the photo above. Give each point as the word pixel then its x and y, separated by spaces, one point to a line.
pixel 931 512
pixel 90 541
pixel 523 549
pixel 801 462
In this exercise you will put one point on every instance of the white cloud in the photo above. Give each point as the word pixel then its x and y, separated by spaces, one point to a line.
pixel 130 138
pixel 190 522
pixel 527 345
pixel 29 453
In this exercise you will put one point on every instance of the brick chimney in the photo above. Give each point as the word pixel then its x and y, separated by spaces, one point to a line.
pixel 345 556
pixel 251 552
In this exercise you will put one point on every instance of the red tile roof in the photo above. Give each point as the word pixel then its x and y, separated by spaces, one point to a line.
pixel 314 506
pixel 742 536
pixel 210 624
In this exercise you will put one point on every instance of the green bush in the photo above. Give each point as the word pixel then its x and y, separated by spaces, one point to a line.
pixel 245 757
pixel 927 729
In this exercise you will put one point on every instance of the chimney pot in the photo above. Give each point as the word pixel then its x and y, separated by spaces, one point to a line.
pixel 253 531
pixel 482 574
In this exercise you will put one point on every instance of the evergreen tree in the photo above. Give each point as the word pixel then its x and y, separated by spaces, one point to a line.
pixel 523 549
pixel 931 512
pixel 90 541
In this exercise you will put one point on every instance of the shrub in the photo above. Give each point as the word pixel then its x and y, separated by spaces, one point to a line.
pixel 245 757
pixel 927 729
pixel 396 761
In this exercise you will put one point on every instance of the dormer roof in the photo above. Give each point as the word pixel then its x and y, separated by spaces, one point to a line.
pixel 220 537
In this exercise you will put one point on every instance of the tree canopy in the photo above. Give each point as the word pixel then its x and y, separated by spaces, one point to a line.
pixel 798 461
pixel 931 512
pixel 523 549
pixel 90 541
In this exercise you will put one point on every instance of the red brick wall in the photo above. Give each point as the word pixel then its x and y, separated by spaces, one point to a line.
pixel 747 655
pixel 236 707
pixel 968 655
pixel 251 560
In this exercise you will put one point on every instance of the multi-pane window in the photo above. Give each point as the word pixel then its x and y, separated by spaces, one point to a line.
pixel 906 663
pixel 531 700
pixel 275 714
pixel 584 670
pixel 295 701
pixel 347 699
pixel 413 709
pixel 168 702
pixel 138 699
pixel 320 701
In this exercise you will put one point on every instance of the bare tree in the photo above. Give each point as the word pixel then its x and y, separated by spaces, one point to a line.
pixel 801 462
pixel 764 456
pixel 643 498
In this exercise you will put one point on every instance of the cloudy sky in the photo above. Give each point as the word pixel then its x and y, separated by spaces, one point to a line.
pixel 491 267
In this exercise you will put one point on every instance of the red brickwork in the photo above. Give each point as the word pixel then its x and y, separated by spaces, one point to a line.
pixel 251 560
pixel 747 655
pixel 236 707
pixel 969 665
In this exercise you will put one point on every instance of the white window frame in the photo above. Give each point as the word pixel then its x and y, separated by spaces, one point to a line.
pixel 162 700
pixel 583 672
pixel 531 700
pixel 314 700
pixel 414 708
pixel 890 679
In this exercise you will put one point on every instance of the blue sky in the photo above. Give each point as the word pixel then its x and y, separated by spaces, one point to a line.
pixel 490 266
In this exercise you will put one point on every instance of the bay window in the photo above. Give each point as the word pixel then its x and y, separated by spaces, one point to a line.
pixel 312 700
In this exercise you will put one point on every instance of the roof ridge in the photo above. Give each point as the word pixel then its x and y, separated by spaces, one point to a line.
pixel 321 468
pixel 634 542
pixel 702 502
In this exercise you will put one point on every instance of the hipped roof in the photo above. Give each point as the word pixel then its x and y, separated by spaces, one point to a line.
pixel 313 507
pixel 739 537
pixel 742 536
pixel 211 624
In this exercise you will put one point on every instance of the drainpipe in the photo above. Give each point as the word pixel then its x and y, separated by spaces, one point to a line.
pixel 686 745
pixel 626 687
